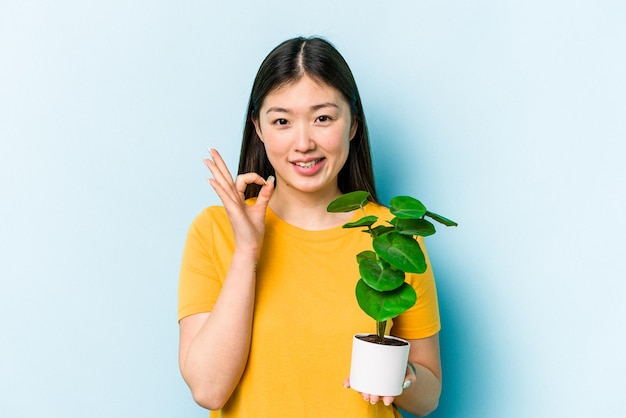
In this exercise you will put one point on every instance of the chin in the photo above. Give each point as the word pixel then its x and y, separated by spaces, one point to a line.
pixel 311 188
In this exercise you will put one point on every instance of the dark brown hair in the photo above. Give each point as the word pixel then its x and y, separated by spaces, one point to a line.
pixel 285 64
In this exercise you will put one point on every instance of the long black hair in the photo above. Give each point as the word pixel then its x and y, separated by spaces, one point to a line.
pixel 288 63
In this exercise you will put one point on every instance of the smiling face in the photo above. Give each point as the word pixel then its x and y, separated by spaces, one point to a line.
pixel 306 127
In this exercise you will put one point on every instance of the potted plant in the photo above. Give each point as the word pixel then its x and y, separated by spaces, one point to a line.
pixel 382 292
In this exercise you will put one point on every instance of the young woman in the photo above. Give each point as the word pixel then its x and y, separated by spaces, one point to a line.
pixel 266 300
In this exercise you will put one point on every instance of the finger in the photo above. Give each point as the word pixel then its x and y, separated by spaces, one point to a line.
pixel 220 171
pixel 374 399
pixel 410 376
pixel 243 180
pixel 346 383
pixel 235 192
pixel 223 178
pixel 221 165
pixel 266 192
pixel 226 196
pixel 217 180
pixel 388 400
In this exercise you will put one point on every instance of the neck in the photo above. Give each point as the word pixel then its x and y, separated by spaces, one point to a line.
pixel 307 210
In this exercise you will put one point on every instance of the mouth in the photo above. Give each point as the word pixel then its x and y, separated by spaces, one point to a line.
pixel 307 164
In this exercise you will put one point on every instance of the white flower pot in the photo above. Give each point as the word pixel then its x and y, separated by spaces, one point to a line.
pixel 378 369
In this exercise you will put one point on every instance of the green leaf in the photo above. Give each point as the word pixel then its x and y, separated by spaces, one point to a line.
pixel 382 306
pixel 441 219
pixel 401 251
pixel 381 229
pixel 419 227
pixel 366 254
pixel 349 202
pixel 406 207
pixel 365 221
pixel 379 275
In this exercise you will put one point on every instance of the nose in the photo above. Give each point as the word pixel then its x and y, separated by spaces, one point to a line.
pixel 303 140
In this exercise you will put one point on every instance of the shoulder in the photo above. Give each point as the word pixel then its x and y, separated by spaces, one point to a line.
pixel 210 215
pixel 214 217
pixel 210 223
pixel 209 229
pixel 378 210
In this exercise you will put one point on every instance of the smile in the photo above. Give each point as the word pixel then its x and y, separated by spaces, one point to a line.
pixel 307 164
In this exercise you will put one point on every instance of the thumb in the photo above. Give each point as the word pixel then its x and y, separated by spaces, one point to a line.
pixel 266 191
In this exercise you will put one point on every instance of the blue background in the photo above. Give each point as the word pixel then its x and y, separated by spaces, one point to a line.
pixel 507 116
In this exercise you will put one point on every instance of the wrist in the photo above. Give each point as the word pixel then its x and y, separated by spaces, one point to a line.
pixel 245 258
pixel 250 252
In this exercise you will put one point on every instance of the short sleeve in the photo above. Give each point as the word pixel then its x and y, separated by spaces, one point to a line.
pixel 201 272
pixel 422 320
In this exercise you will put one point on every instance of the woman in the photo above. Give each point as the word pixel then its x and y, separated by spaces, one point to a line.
pixel 266 299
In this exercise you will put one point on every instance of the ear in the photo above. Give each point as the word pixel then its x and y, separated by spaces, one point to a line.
pixel 257 128
pixel 353 128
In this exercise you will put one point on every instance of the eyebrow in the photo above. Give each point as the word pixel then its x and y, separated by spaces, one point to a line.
pixel 315 107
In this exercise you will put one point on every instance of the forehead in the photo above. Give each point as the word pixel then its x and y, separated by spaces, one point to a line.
pixel 303 91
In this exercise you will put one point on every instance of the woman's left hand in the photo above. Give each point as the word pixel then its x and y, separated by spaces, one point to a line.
pixel 409 379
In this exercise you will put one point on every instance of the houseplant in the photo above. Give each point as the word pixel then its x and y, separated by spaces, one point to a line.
pixel 382 292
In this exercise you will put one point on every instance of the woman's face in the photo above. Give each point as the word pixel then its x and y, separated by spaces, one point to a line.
pixel 306 127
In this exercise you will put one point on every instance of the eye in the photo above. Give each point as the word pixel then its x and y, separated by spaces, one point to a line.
pixel 324 118
pixel 280 121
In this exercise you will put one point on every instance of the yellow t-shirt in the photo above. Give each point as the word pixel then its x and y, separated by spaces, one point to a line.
pixel 305 315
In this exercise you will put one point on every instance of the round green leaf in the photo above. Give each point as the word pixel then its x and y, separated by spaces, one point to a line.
pixel 365 221
pixel 379 275
pixel 406 207
pixel 381 229
pixel 366 254
pixel 401 251
pixel 382 306
pixel 419 227
pixel 349 202
pixel 441 219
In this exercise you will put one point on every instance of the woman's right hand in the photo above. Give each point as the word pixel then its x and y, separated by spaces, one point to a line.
pixel 247 221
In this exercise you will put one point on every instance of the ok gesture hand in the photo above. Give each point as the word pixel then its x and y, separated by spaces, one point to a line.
pixel 247 221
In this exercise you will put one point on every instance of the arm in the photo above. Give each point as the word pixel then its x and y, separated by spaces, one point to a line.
pixel 422 396
pixel 214 346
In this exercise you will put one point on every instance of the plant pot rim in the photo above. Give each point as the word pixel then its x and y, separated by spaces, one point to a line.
pixel 391 337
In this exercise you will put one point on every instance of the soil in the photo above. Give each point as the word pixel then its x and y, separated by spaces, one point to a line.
pixel 373 338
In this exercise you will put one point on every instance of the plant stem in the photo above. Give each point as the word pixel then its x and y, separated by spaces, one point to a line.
pixel 380 330
pixel 380 325
pixel 369 227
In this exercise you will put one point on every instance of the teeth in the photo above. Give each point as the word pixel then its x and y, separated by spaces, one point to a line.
pixel 307 165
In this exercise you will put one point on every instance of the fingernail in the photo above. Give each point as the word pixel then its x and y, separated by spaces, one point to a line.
pixel 406 384
pixel 270 178
pixel 373 403
pixel 387 403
